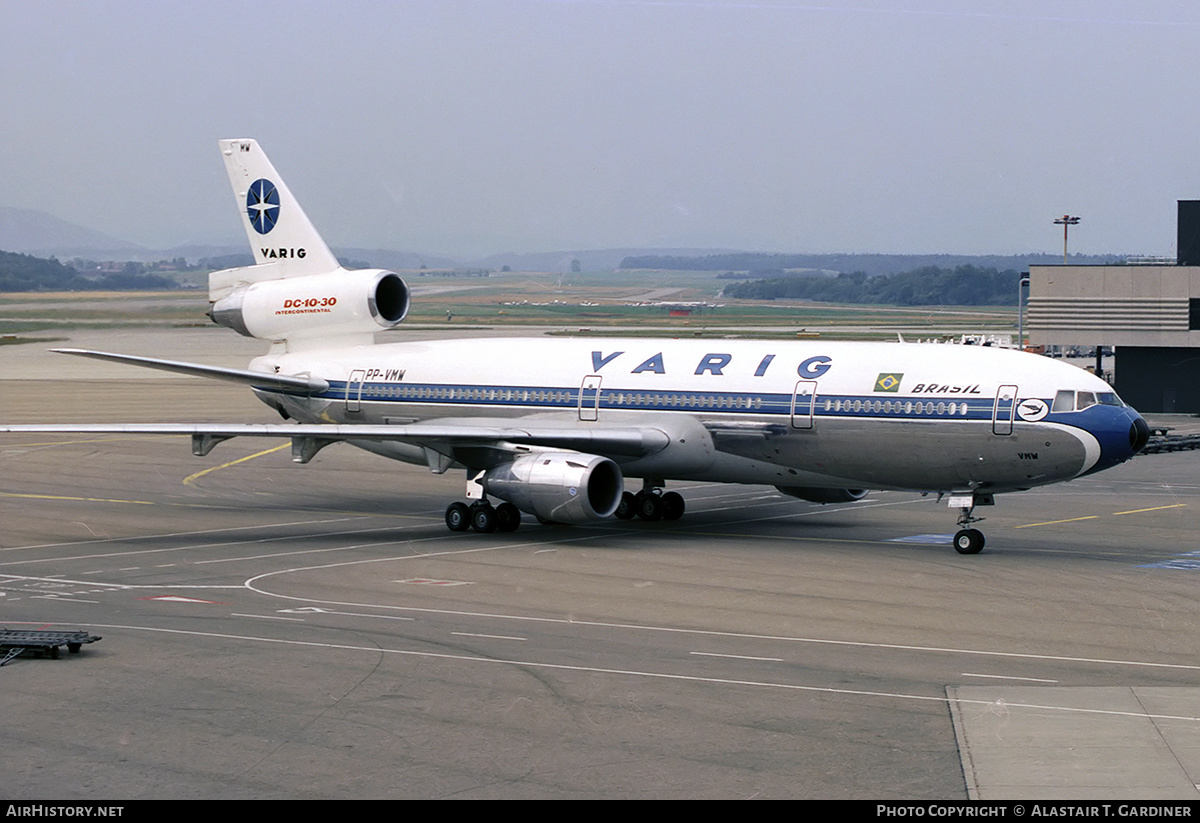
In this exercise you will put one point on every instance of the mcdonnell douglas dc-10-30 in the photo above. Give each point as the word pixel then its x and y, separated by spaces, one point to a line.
pixel 554 429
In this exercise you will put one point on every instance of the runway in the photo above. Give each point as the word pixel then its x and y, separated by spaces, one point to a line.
pixel 275 630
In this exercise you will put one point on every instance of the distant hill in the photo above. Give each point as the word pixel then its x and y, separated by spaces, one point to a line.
pixel 391 259
pixel 35 232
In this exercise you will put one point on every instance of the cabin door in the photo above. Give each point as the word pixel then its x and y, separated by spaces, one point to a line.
pixel 804 401
pixel 1002 411
pixel 589 398
pixel 354 391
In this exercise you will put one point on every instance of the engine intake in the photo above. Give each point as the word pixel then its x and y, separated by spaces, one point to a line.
pixel 566 487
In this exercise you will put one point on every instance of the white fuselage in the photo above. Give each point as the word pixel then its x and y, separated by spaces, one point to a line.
pixel 847 415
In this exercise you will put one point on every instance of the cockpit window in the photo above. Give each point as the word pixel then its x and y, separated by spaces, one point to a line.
pixel 1065 400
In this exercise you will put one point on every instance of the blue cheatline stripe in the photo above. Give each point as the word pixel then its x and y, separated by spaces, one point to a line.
pixel 559 397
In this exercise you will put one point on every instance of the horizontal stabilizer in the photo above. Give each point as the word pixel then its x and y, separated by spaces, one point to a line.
pixel 262 380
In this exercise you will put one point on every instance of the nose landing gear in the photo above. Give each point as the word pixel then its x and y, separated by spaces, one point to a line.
pixel 969 540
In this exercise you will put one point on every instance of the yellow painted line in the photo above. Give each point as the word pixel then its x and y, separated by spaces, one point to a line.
pixel 1153 509
pixel 187 481
pixel 1052 522
pixel 81 499
pixel 1095 516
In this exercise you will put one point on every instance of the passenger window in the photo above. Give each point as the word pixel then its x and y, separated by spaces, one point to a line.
pixel 1064 401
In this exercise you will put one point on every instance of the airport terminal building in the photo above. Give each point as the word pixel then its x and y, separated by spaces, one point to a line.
pixel 1148 313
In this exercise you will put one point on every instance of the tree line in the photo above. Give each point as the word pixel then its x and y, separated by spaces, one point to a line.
pixel 924 286
pixel 24 272
pixel 870 263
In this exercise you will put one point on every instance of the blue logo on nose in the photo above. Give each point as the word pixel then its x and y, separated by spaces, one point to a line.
pixel 262 205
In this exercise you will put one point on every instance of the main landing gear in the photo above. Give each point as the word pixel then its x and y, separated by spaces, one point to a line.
pixel 968 540
pixel 482 516
pixel 651 504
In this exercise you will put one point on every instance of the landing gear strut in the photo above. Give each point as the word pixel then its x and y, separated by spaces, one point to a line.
pixel 969 540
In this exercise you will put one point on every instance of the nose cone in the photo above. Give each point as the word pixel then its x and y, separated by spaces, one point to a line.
pixel 1122 433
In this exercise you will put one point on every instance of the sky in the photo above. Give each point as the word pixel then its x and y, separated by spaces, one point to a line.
pixel 472 127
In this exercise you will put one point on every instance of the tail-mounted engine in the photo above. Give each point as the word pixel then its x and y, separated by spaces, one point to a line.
pixel 337 304
pixel 565 487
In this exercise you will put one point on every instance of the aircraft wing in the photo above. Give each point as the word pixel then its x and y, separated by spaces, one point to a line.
pixel 442 442
pixel 441 439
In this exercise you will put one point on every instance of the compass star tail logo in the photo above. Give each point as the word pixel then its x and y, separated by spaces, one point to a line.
pixel 262 205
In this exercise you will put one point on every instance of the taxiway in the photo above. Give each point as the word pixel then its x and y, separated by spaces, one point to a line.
pixel 275 630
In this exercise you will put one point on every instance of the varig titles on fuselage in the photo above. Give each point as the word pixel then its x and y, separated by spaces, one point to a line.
pixel 713 363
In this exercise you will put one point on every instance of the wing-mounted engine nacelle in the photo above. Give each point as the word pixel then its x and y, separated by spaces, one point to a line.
pixel 816 495
pixel 565 487
pixel 335 304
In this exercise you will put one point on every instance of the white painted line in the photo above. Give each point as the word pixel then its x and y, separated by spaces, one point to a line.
pixel 268 617
pixel 425 581
pixel 1008 677
pixel 26 578
pixel 347 614
pixel 739 657
pixel 489 636
pixel 177 598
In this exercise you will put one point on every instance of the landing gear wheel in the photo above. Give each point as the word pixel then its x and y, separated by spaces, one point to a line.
pixel 483 518
pixel 627 508
pixel 968 541
pixel 672 506
pixel 508 517
pixel 649 506
pixel 458 517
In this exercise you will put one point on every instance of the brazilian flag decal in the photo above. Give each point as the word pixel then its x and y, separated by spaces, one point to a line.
pixel 888 382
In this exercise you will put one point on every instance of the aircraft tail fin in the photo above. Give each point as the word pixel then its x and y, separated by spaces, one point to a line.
pixel 296 293
pixel 278 229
